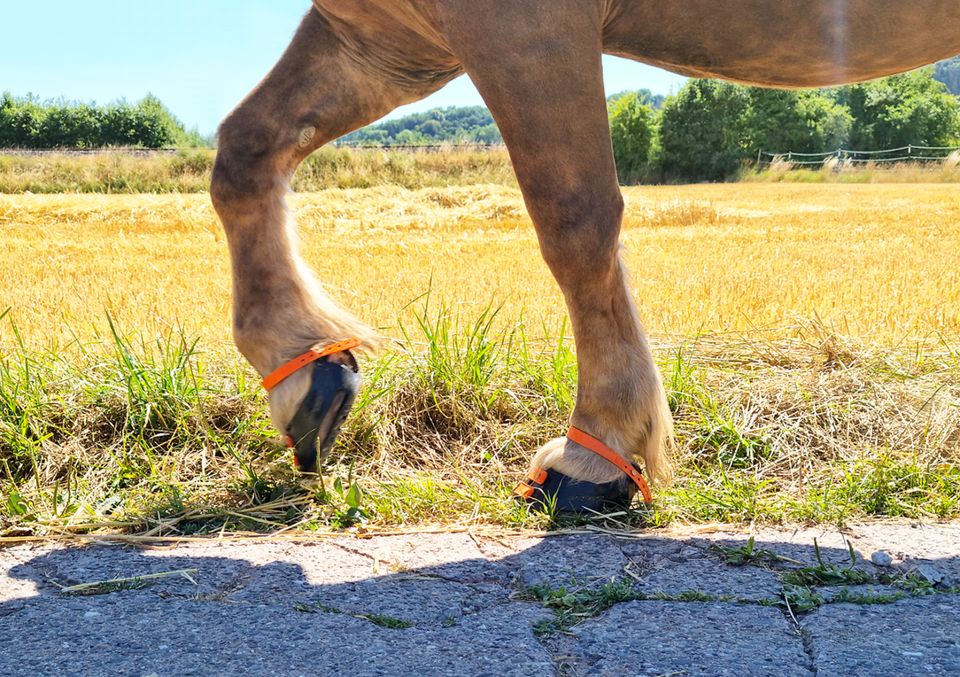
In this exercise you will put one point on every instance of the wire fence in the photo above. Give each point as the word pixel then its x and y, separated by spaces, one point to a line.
pixel 423 147
pixel 845 157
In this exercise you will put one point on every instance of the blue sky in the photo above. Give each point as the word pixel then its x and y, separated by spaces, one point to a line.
pixel 200 57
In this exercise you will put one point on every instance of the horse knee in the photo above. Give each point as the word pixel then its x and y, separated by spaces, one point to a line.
pixel 248 159
pixel 579 232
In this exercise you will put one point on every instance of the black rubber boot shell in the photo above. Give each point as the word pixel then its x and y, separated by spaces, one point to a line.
pixel 330 382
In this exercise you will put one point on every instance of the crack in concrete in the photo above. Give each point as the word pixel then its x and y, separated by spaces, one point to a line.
pixel 808 650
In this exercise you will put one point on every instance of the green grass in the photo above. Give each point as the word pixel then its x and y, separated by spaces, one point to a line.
pixel 158 436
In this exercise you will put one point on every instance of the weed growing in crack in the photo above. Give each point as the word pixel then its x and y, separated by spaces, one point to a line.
pixel 747 553
pixel 383 620
pixel 571 607
pixel 823 573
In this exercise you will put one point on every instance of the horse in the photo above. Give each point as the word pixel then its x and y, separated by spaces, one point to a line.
pixel 537 65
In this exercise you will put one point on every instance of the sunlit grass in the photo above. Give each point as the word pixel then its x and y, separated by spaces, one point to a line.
pixel 873 262
pixel 808 337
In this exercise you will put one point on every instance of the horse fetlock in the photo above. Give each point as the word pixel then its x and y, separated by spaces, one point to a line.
pixel 565 456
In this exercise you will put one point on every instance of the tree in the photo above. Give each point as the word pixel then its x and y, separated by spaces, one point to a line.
pixel 655 101
pixel 901 110
pixel 455 124
pixel 948 72
pixel 20 122
pixel 30 123
pixel 799 121
pixel 631 130
pixel 702 134
pixel 71 126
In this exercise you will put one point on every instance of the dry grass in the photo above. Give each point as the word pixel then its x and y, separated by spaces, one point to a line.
pixel 872 262
pixel 834 171
pixel 188 171
pixel 808 336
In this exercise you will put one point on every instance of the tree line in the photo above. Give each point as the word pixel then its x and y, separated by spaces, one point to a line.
pixel 706 131
pixel 710 129
pixel 454 124
pixel 28 122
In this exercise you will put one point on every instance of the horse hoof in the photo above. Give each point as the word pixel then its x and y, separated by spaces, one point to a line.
pixel 552 491
pixel 313 429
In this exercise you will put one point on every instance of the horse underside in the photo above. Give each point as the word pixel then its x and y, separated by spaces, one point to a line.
pixel 538 67
pixel 785 43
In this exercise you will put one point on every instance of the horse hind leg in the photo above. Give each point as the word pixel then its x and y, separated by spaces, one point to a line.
pixel 550 107
pixel 314 94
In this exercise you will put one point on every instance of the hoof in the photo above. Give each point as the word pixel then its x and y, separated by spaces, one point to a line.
pixel 313 429
pixel 553 491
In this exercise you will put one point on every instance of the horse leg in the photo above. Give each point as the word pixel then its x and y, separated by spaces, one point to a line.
pixel 546 93
pixel 315 93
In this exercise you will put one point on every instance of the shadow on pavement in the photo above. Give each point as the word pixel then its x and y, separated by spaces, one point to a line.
pixel 460 604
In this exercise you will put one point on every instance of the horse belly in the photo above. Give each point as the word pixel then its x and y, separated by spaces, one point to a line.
pixel 791 43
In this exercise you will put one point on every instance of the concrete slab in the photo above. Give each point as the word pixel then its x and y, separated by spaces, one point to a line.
pixel 439 604
pixel 917 636
pixel 687 638
pixel 138 633
pixel 712 578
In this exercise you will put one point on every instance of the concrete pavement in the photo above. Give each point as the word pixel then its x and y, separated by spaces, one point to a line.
pixel 699 602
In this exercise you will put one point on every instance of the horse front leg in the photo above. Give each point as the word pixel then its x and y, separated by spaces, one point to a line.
pixel 315 93
pixel 545 90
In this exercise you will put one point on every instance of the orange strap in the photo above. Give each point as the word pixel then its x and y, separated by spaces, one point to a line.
pixel 299 362
pixel 536 475
pixel 596 446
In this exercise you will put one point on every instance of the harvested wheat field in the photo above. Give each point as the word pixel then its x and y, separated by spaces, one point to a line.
pixel 809 336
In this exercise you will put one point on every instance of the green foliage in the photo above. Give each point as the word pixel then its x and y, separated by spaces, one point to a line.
pixel 631 129
pixel 644 96
pixel 455 124
pixel 800 121
pixel 709 129
pixel 31 123
pixel 912 108
pixel 948 72
pixel 702 131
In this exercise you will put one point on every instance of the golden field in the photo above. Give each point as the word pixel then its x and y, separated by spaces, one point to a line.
pixel 807 334
pixel 877 263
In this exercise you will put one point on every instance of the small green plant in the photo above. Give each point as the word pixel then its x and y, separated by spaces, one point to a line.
pixel 800 598
pixel 385 621
pixel 823 573
pixel 747 553
pixel 845 595
pixel 571 607
pixel 352 497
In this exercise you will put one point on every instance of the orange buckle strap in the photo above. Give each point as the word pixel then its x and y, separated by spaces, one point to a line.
pixel 300 361
pixel 590 442
pixel 537 476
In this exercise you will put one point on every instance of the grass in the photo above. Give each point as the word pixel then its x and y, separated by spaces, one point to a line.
pixel 947 171
pixel 188 171
pixel 807 336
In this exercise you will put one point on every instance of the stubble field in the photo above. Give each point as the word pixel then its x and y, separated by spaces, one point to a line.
pixel 809 337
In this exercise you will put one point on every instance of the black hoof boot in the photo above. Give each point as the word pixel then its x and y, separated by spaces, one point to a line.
pixel 313 429
pixel 554 491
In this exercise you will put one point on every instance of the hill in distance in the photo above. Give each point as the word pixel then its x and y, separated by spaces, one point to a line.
pixel 454 124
